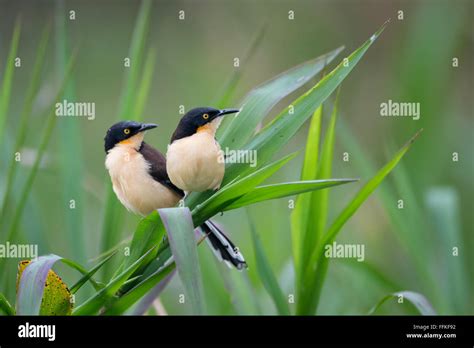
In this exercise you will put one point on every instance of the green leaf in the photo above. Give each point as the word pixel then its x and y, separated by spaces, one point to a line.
pixel 8 77
pixel 268 192
pixel 93 304
pixel 267 276
pixel 88 276
pixel 5 306
pixel 150 232
pixel 50 123
pixel 272 138
pixel 135 294
pixel 32 91
pixel 311 155
pixel 302 211
pixel 310 293
pixel 233 190
pixel 319 201
pixel 418 300
pixel 262 99
pixel 179 227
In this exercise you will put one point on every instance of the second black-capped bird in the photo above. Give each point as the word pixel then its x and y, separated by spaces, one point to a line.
pixel 195 161
pixel 141 183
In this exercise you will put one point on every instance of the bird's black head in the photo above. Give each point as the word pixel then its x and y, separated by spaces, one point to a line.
pixel 122 131
pixel 196 118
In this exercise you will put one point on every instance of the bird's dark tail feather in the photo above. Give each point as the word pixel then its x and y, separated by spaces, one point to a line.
pixel 222 246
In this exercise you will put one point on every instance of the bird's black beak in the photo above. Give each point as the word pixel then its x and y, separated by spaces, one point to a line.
pixel 146 126
pixel 224 112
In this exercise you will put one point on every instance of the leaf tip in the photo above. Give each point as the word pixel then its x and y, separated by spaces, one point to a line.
pixel 378 32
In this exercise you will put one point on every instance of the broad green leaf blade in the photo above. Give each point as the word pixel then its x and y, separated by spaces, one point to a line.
pixel 40 290
pixel 301 213
pixel 267 276
pixel 5 306
pixel 88 276
pixel 232 191
pixel 93 304
pixel 180 229
pixel 311 155
pixel 310 293
pixel 150 231
pixel 262 99
pixel 416 299
pixel 8 77
pixel 320 200
pixel 277 133
pixel 268 192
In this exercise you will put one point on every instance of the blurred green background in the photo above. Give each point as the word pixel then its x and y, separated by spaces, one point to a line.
pixel 405 249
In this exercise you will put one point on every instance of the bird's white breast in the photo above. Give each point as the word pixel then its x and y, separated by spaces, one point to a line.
pixel 195 163
pixel 134 187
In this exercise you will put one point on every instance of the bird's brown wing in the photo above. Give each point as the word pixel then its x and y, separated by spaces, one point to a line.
pixel 158 167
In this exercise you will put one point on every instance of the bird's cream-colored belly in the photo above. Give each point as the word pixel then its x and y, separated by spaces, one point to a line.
pixel 195 163
pixel 132 184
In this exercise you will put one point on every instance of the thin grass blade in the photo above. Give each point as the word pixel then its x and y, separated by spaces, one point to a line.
pixel 268 192
pixel 32 91
pixel 420 302
pixel 5 306
pixel 267 276
pixel 88 276
pixel 8 77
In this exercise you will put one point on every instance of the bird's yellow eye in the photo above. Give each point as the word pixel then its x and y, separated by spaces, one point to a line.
pixel 205 116
pixel 126 131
